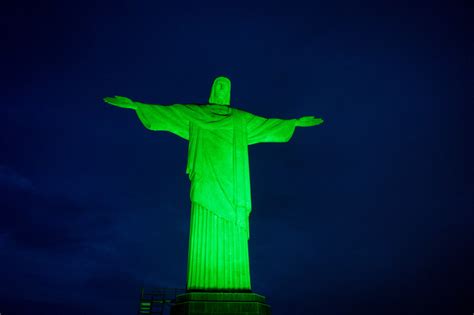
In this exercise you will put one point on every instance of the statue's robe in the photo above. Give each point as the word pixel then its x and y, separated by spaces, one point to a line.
pixel 218 168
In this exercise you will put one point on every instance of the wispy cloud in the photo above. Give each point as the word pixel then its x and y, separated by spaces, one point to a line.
pixel 10 178
pixel 50 241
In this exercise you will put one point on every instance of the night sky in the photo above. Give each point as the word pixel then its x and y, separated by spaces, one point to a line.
pixel 368 213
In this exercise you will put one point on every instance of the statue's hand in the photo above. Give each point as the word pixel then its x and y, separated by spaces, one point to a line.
pixel 120 101
pixel 308 121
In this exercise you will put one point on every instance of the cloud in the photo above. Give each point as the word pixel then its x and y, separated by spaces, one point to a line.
pixel 27 306
pixel 34 219
pixel 10 178
pixel 49 242
pixel 123 283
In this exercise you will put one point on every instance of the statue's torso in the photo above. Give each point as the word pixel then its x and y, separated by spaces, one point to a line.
pixel 218 162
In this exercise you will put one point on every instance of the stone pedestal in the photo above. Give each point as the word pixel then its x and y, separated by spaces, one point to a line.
pixel 217 303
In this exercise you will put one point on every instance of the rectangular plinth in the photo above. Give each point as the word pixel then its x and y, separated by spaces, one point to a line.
pixel 204 303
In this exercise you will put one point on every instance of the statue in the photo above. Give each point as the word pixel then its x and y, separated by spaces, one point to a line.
pixel 218 168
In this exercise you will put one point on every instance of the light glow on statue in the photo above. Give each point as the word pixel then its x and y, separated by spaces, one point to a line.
pixel 218 168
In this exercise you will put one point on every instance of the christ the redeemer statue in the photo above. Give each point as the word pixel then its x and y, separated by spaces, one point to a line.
pixel 218 167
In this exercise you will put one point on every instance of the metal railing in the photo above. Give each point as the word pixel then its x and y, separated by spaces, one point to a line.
pixel 157 301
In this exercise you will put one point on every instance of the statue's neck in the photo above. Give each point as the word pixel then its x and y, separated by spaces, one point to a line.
pixel 220 109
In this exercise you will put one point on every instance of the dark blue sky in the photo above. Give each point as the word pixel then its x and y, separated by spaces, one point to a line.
pixel 369 213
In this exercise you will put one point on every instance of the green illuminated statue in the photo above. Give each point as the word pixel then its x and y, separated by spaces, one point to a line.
pixel 218 168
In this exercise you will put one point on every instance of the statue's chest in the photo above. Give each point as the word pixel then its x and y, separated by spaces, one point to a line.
pixel 218 138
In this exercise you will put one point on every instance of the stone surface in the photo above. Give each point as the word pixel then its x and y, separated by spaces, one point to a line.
pixel 217 303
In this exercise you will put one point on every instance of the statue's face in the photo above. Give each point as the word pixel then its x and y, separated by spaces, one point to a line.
pixel 221 90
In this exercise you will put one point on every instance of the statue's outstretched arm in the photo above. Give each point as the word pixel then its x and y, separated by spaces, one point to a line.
pixel 308 121
pixel 172 118
pixel 260 129
pixel 120 101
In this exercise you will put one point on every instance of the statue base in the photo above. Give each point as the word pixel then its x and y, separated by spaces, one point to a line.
pixel 220 303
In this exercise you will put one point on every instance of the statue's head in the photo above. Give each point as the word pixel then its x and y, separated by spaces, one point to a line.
pixel 220 92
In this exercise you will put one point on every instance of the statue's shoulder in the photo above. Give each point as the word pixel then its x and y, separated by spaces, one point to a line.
pixel 208 108
pixel 242 115
pixel 240 112
pixel 197 107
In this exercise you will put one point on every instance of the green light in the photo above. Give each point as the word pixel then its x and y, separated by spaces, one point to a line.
pixel 218 168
